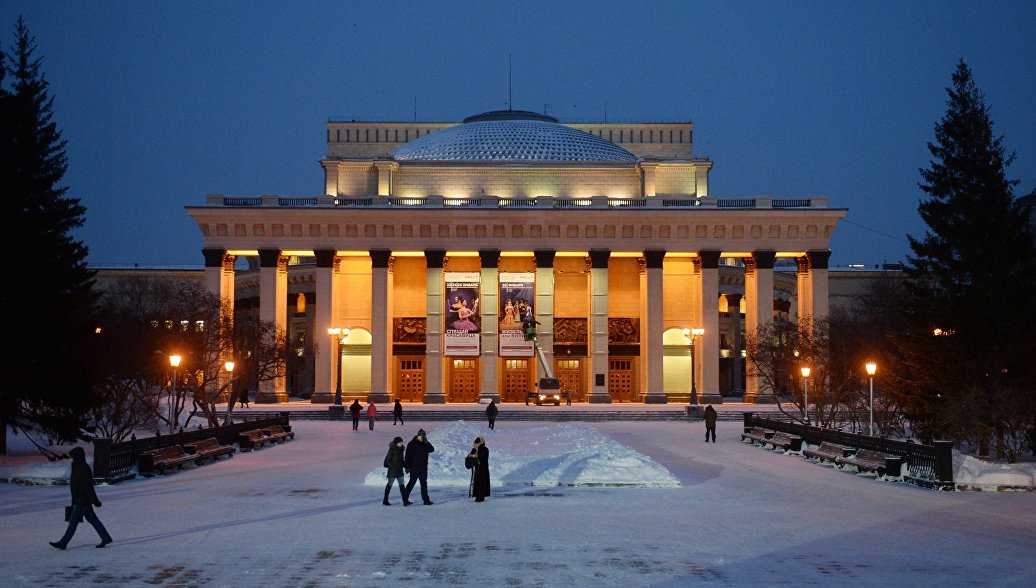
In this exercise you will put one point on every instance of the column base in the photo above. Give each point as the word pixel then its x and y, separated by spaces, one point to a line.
pixel 487 396
pixel 710 398
pixel 322 398
pixel 379 397
pixel 271 397
pixel 336 412
pixel 655 398
pixel 599 398
pixel 759 398
pixel 433 398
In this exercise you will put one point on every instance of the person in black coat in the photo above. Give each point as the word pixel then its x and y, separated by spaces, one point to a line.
pixel 491 412
pixel 84 499
pixel 397 412
pixel 710 423
pixel 478 462
pixel 394 463
pixel 416 463
pixel 354 410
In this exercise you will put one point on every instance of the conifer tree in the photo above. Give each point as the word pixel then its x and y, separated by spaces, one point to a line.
pixel 47 301
pixel 967 354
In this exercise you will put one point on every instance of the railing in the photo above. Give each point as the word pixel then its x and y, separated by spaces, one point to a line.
pixel 299 201
pixel 113 461
pixel 928 465
pixel 791 203
pixel 736 203
pixel 243 201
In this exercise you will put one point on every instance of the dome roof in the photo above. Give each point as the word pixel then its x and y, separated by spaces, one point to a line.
pixel 512 136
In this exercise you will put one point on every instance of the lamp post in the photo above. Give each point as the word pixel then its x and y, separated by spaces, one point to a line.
pixel 805 392
pixel 338 333
pixel 174 362
pixel 691 335
pixel 229 366
pixel 871 369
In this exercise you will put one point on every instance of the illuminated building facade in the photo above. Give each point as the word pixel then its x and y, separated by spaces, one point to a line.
pixel 434 242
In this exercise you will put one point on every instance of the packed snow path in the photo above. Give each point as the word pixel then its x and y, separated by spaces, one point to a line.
pixel 300 514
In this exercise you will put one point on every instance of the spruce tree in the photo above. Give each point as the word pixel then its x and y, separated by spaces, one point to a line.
pixel 48 300
pixel 967 352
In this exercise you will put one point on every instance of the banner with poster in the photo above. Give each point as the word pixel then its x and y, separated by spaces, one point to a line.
pixel 463 328
pixel 517 292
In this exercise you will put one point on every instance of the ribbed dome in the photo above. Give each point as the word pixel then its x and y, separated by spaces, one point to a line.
pixel 511 135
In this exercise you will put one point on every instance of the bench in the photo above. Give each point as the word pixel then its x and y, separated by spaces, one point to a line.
pixel 785 441
pixel 828 452
pixel 158 460
pixel 208 448
pixel 249 440
pixel 866 460
pixel 757 435
pixel 278 434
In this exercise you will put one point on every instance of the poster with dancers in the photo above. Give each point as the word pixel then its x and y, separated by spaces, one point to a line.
pixel 462 333
pixel 517 292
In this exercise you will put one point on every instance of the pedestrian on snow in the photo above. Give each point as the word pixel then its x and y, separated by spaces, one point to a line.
pixel 394 463
pixel 244 397
pixel 710 423
pixel 416 464
pixel 397 412
pixel 478 462
pixel 354 409
pixel 84 499
pixel 491 412
pixel 372 412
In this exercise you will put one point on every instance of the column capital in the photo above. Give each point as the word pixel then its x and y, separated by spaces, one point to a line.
pixel 435 257
pixel 709 258
pixel 213 257
pixel 380 258
pixel 544 257
pixel 490 258
pixel 818 258
pixel 325 257
pixel 270 258
pixel 654 258
pixel 764 259
pixel 599 258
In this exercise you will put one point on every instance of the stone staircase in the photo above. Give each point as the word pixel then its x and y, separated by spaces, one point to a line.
pixel 521 413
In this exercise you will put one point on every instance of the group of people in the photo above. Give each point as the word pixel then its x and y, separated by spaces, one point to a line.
pixel 356 410
pixel 413 459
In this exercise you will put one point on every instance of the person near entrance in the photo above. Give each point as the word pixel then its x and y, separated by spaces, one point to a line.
pixel 394 464
pixel 354 410
pixel 478 462
pixel 710 423
pixel 416 463
pixel 491 412
pixel 372 413
pixel 397 413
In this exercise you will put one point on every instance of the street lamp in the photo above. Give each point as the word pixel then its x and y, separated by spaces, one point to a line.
pixel 174 362
pixel 229 366
pixel 805 392
pixel 338 333
pixel 691 335
pixel 871 369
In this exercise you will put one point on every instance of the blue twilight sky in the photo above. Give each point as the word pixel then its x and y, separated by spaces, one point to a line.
pixel 163 103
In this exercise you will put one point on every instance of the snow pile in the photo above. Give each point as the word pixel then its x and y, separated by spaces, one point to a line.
pixel 971 471
pixel 552 455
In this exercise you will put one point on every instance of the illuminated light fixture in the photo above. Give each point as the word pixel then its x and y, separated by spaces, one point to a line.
pixel 517 254
pixel 229 366
pixel 571 254
pixel 791 253
pixel 462 254
pixel 301 253
pixel 856 266
pixel 408 253
pixel 872 368
pixel 681 254
pixel 352 253
pixel 737 254
pixel 243 252
pixel 627 254
pixel 805 392
pixel 174 361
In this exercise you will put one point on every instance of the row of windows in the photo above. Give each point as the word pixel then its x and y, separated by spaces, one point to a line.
pixel 382 135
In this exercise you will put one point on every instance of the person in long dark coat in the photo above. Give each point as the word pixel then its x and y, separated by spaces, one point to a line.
pixel 478 462
pixel 84 499
pixel 394 463
pixel 491 412
pixel 416 463
pixel 397 412
pixel 355 409
pixel 710 423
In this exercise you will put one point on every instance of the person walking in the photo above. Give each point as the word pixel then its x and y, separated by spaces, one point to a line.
pixel 478 462
pixel 397 412
pixel 354 410
pixel 84 499
pixel 372 413
pixel 710 423
pixel 416 463
pixel 394 463
pixel 491 412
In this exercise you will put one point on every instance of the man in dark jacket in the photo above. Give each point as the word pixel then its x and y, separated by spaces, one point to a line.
pixel 416 462
pixel 397 413
pixel 491 412
pixel 394 463
pixel 710 423
pixel 478 462
pixel 354 410
pixel 81 483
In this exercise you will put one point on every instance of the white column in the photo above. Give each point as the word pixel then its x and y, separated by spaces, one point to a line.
pixel 273 308
pixel 326 358
pixel 655 385
pixel 545 304
pixel 489 310
pixel 818 284
pixel 758 312
pixel 707 348
pixel 381 327
pixel 599 393
pixel 433 331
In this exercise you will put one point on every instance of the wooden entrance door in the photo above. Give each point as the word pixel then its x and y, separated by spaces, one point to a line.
pixel 620 380
pixel 463 381
pixel 410 379
pixel 570 372
pixel 516 380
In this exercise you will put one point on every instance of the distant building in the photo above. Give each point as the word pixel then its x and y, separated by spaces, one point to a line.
pixel 432 243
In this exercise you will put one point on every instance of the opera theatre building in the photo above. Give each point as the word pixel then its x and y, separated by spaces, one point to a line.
pixel 434 245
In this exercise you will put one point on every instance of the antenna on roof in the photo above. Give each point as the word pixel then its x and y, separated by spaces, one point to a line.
pixel 510 104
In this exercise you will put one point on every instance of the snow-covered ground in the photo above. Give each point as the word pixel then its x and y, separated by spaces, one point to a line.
pixel 607 504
